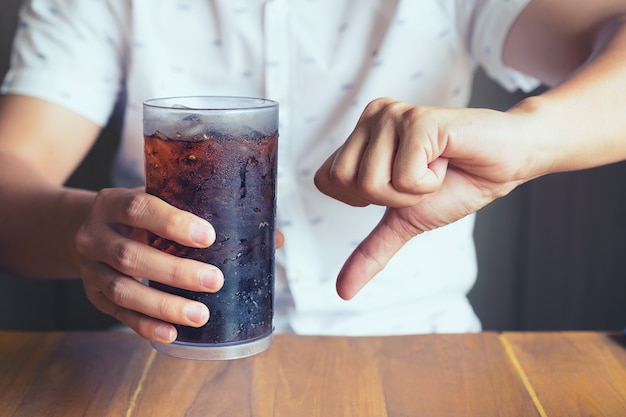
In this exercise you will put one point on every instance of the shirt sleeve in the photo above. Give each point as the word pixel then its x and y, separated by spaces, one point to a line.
pixel 72 53
pixel 485 25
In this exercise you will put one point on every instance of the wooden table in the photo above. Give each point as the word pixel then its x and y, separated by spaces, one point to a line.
pixel 486 374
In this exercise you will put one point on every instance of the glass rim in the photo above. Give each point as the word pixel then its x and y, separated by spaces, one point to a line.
pixel 229 103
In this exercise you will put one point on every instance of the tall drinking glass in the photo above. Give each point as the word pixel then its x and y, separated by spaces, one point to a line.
pixel 216 157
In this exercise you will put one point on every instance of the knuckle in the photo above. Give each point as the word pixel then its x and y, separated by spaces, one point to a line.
pixel 379 104
pixel 406 183
pixel 342 175
pixel 414 118
pixel 104 197
pixel 378 264
pixel 176 221
pixel 177 274
pixel 163 309
pixel 125 256
pixel 104 194
pixel 414 113
pixel 83 240
pixel 135 206
pixel 369 187
pixel 117 291
pixel 319 180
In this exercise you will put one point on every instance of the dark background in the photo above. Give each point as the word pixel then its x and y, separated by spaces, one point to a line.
pixel 551 254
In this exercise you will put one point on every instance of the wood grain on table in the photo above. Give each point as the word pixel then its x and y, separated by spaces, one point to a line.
pixel 573 373
pixel 119 374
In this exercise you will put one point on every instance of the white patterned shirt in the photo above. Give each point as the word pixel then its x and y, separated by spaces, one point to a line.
pixel 323 61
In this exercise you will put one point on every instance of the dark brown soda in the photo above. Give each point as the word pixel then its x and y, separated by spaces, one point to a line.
pixel 230 182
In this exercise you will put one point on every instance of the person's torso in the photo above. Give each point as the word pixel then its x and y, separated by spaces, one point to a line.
pixel 323 61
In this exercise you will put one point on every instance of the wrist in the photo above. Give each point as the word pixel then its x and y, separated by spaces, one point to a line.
pixel 551 136
pixel 77 204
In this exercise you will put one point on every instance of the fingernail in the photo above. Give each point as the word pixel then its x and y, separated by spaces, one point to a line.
pixel 196 313
pixel 210 279
pixel 165 333
pixel 202 234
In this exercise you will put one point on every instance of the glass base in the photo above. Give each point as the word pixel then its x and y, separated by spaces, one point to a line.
pixel 211 352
